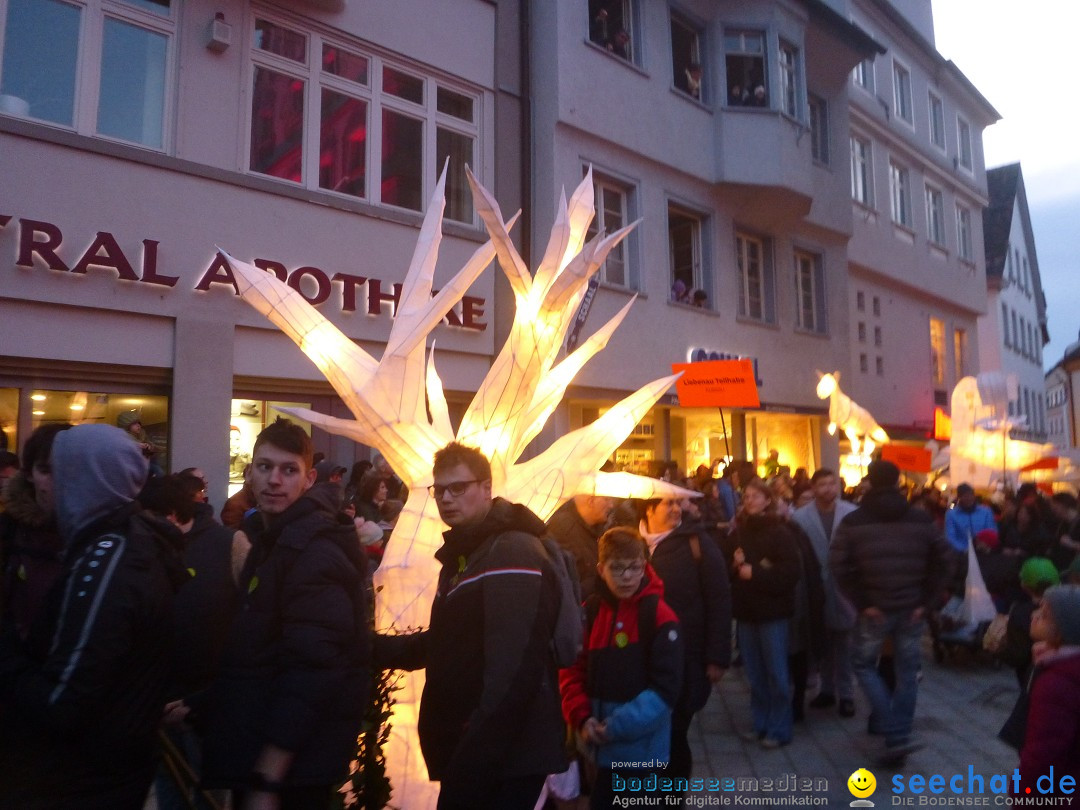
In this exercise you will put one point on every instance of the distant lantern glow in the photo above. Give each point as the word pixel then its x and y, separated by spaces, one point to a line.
pixel 861 429
pixel 399 408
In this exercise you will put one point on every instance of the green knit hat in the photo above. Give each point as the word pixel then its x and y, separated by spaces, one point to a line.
pixel 1039 573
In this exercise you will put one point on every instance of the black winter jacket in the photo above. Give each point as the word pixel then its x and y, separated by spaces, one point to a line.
pixel 490 708
pixel 889 555
pixel 578 538
pixel 81 700
pixel 770 547
pixel 294 671
pixel 698 592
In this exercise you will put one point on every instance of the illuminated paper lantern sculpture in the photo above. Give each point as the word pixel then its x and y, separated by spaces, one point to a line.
pixel 982 451
pixel 861 429
pixel 391 398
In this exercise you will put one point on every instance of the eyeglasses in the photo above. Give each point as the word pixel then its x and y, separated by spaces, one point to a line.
pixel 618 570
pixel 456 489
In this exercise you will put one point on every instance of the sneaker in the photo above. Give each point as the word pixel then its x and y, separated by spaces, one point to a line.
pixel 896 753
pixel 847 708
pixel 771 743
pixel 823 701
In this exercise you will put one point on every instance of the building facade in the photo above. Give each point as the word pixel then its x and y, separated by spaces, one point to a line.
pixel 137 137
pixel 918 185
pixel 1013 331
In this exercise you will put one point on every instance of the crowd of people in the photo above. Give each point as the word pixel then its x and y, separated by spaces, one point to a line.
pixel 133 622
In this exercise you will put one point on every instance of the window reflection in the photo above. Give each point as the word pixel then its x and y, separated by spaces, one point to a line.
pixel 347 65
pixel 277 125
pixel 277 39
pixel 132 101
pixel 450 103
pixel 402 160
pixel 41 46
pixel 342 143
pixel 403 85
pixel 458 148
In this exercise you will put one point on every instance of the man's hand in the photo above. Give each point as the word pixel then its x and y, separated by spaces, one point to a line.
pixel 746 571
pixel 714 673
pixel 593 732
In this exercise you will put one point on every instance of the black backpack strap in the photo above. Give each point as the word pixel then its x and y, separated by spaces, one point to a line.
pixel 647 621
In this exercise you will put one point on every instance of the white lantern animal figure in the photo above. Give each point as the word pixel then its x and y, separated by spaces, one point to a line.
pixel 391 399
pixel 861 429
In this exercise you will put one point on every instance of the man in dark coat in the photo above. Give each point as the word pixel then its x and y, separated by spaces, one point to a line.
pixel 576 526
pixel 490 722
pixel 892 562
pixel 286 709
pixel 82 697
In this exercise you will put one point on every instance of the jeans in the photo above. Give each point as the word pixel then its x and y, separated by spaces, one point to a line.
pixel 894 711
pixel 765 659
pixel 837 677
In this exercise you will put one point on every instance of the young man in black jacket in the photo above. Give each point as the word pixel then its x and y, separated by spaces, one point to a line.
pixel 81 698
pixel 282 719
pixel 490 722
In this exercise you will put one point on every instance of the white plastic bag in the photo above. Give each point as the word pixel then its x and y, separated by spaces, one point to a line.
pixel 978 607
pixel 563 786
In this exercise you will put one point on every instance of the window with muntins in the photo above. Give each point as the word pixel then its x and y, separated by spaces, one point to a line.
pixel 611 202
pixel 935 215
pixel 937 121
pixel 819 128
pixel 902 92
pixel 963 146
pixel 98 67
pixel 755 281
pixel 611 26
pixel 963 233
pixel 861 171
pixel 937 351
pixel 810 292
pixel 789 79
pixel 744 60
pixel 344 119
pixel 900 195
pixel 686 62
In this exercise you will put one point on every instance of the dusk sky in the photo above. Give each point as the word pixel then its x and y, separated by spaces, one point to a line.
pixel 1020 56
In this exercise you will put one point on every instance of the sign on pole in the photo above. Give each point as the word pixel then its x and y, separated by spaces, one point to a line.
pixel 717 384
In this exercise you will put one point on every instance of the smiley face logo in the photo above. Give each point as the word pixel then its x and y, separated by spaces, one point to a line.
pixel 861 783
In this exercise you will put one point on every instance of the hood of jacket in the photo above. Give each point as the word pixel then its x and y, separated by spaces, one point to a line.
pixel 885 505
pixel 503 516
pixel 96 470
pixel 20 503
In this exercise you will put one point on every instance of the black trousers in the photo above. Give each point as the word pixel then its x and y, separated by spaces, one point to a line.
pixel 515 793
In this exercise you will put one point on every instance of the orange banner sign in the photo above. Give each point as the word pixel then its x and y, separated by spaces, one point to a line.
pixel 912 459
pixel 717 384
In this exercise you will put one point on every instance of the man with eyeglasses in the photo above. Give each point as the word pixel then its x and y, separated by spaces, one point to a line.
pixel 490 723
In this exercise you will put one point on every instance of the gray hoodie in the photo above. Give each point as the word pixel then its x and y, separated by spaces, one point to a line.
pixel 96 470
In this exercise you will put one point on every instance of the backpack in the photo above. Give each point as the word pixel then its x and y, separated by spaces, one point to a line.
pixel 568 635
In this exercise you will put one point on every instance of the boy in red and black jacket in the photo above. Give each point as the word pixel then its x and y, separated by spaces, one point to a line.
pixel 619 694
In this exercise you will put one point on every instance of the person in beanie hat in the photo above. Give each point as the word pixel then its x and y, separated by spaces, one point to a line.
pixel 892 563
pixel 1052 737
pixel 966 519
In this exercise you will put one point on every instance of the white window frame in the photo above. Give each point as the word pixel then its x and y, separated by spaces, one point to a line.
pixel 787 59
pixel 935 215
pixel 606 191
pixel 810 293
pixel 936 113
pixel 86 90
pixel 863 75
pixel 862 171
pixel 965 155
pixel 377 101
pixel 697 252
pixel 902 98
pixel 900 194
pixel 964 243
pixel 818 109
pixel 629 14
pixel 696 56
pixel 748 286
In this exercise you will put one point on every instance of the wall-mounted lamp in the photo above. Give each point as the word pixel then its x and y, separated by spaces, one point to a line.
pixel 219 34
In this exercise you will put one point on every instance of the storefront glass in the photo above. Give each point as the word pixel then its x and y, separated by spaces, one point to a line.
pixel 9 419
pixel 248 418
pixel 791 435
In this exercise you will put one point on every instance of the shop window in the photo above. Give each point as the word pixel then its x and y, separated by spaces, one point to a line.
pixel 246 420
pixel 59 58
pixel 744 61
pixel 861 171
pixel 810 292
pixel 756 299
pixel 611 200
pixel 611 26
pixel 329 116
pixel 685 254
pixel 686 61
pixel 9 419
pixel 819 129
